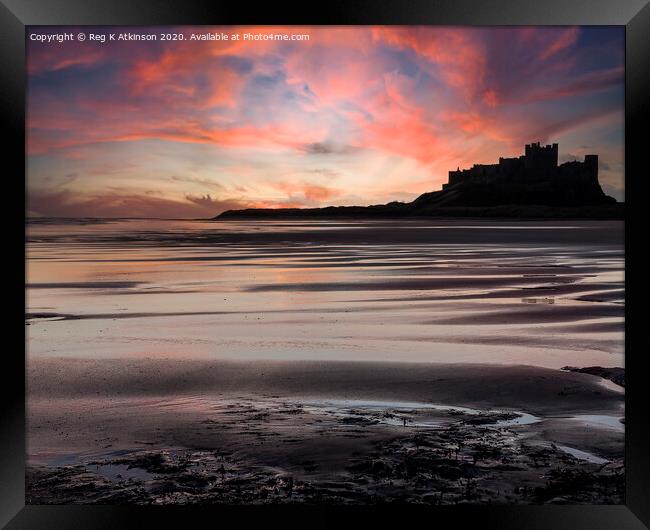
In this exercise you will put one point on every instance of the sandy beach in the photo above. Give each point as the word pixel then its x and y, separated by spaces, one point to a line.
pixel 355 363
pixel 159 431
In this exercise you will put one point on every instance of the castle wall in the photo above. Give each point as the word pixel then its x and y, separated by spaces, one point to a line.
pixel 533 178
pixel 537 163
pixel 585 172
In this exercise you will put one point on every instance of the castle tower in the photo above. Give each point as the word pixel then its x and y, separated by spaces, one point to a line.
pixel 540 160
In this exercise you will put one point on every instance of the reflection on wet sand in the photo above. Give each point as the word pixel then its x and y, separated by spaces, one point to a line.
pixel 541 294
pixel 118 284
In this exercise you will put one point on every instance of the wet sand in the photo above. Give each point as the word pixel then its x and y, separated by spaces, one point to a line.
pixel 343 362
pixel 540 293
pixel 160 431
pixel 541 390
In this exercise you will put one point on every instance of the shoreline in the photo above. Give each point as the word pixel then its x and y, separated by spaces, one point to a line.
pixel 406 211
pixel 179 431
pixel 494 385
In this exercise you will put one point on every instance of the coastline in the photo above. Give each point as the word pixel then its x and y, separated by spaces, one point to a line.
pixel 409 211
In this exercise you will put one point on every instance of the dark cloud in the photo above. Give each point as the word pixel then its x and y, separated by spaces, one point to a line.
pixel 265 82
pixel 60 181
pixel 197 180
pixel 207 203
pixel 326 148
pixel 241 65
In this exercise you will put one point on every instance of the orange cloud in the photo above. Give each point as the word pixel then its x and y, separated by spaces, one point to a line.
pixel 314 192
pixel 490 97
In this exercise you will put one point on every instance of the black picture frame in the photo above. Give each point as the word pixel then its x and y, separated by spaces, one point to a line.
pixel 15 15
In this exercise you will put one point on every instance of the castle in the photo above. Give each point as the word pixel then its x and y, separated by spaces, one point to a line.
pixel 535 175
pixel 538 163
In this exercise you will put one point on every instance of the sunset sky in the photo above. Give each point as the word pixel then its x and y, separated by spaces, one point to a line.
pixel 355 115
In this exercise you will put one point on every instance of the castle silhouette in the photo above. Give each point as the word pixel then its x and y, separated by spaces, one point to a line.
pixel 534 176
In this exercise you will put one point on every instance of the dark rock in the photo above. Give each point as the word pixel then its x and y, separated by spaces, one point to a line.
pixel 616 375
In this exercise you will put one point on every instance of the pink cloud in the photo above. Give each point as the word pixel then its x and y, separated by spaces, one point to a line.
pixel 565 40
pixel 459 56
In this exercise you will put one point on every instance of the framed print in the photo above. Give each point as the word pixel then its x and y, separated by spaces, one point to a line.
pixel 350 265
